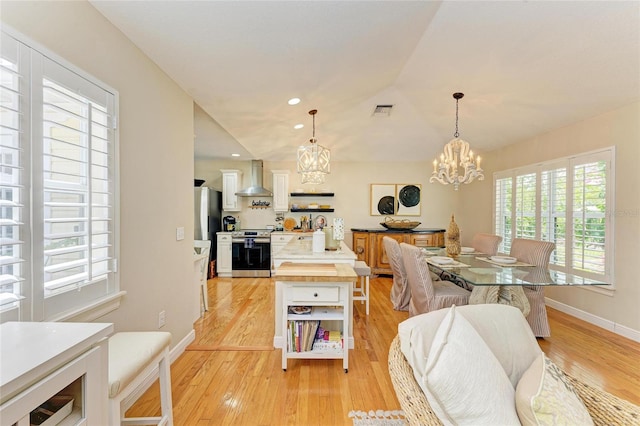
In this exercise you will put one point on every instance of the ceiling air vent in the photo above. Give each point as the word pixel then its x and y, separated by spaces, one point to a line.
pixel 382 110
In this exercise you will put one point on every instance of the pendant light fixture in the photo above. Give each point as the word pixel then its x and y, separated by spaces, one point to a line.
pixel 456 154
pixel 313 160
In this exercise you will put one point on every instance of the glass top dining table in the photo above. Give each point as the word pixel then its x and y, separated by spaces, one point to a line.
pixel 478 269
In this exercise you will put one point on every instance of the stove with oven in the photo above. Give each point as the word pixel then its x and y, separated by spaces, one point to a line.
pixel 251 253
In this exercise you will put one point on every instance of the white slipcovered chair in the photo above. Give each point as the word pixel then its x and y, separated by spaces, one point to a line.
pixel 486 243
pixel 400 293
pixel 427 295
pixel 536 253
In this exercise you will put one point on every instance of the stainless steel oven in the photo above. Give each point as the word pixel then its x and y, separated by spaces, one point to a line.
pixel 251 253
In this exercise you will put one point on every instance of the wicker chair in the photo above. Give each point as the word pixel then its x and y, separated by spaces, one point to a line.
pixel 605 409
pixel 536 253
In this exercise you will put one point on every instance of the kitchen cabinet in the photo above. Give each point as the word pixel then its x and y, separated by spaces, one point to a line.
pixel 44 359
pixel 379 259
pixel 223 259
pixel 280 190
pixel 278 241
pixel 231 181
pixel 361 245
pixel 427 240
pixel 368 245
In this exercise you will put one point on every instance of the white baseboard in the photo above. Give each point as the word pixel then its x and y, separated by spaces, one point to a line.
pixel 175 352
pixel 609 325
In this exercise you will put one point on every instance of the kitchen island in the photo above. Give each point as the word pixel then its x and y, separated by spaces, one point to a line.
pixel 319 293
pixel 299 251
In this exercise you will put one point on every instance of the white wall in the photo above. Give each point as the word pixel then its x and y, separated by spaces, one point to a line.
pixel 619 128
pixel 156 160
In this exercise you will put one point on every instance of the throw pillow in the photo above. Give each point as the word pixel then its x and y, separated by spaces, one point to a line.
pixel 544 396
pixel 463 381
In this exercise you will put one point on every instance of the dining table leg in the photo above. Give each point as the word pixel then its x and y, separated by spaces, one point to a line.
pixel 502 294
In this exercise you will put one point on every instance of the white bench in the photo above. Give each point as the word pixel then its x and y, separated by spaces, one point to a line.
pixel 133 357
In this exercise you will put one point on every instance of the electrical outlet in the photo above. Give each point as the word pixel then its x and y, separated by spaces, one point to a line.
pixel 161 319
pixel 180 233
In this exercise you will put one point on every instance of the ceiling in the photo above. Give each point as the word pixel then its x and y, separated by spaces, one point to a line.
pixel 525 67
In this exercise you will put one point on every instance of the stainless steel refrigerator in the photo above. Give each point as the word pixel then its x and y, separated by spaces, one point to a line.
pixel 208 218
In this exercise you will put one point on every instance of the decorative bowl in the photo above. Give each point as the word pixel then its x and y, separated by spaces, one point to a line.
pixel 390 223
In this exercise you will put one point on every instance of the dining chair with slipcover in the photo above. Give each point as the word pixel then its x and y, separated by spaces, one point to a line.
pixel 400 294
pixel 536 253
pixel 486 243
pixel 428 295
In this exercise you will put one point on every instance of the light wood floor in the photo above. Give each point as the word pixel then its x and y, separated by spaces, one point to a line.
pixel 232 375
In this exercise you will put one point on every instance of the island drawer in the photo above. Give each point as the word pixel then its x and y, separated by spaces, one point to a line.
pixel 311 293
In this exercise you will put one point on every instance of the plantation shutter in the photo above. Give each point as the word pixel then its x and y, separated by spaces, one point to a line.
pixel 564 201
pixel 14 235
pixel 77 198
pixel 553 212
pixel 58 193
pixel 589 217
pixel 503 212
pixel 525 206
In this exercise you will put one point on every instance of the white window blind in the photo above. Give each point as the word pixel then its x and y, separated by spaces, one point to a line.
pixel 525 206
pixel 61 157
pixel 553 212
pixel 589 217
pixel 564 201
pixel 503 190
pixel 14 238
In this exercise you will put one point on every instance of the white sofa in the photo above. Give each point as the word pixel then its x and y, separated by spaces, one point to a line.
pixel 481 364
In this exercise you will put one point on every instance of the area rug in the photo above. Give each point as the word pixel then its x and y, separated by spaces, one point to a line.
pixel 378 418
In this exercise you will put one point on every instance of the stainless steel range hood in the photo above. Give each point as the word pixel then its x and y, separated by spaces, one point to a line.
pixel 256 189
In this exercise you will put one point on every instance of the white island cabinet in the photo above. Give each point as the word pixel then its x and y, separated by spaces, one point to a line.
pixel 299 251
pixel 325 290
pixel 44 359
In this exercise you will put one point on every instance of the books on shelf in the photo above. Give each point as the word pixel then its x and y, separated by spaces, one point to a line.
pixel 307 335
pixel 301 335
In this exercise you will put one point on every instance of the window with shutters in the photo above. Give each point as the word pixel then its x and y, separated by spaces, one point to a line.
pixel 58 193
pixel 564 201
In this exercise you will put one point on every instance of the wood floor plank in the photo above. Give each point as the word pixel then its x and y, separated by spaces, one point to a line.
pixel 232 375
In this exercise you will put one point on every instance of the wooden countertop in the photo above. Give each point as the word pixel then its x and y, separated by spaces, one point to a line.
pixel 315 272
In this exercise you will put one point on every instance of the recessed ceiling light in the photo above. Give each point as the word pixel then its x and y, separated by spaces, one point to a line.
pixel 298 126
pixel 235 155
pixel 294 101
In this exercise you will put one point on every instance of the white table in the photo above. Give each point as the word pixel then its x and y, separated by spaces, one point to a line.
pixel 40 359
